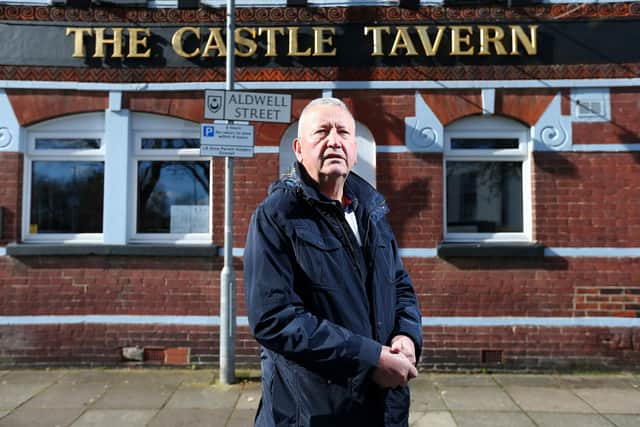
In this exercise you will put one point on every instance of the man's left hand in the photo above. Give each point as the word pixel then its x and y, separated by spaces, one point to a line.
pixel 404 345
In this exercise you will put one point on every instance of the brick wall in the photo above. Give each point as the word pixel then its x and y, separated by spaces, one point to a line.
pixel 587 199
pixel 66 285
pixel 33 106
pixel 580 200
pixel 531 348
pixel 445 347
pixel 11 196
pixel 101 345
pixel 622 301
pixel 624 126
pixel 413 187
pixel 547 287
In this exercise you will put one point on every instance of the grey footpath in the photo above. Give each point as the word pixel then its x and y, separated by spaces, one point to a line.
pixel 181 397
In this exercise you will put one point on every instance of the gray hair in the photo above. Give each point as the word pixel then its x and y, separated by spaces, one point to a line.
pixel 322 101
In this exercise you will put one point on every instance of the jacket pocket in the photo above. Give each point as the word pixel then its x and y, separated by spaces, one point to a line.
pixel 319 256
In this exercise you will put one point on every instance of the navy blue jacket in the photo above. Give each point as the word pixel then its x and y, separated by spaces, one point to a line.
pixel 321 306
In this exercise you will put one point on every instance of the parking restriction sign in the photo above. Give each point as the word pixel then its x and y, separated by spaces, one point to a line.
pixel 226 140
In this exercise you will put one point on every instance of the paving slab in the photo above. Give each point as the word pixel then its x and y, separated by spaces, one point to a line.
pixel 547 399
pixel 36 417
pixel 426 397
pixel 548 419
pixel 33 376
pixel 114 418
pixel 134 396
pixel 492 419
pixel 13 395
pixel 462 380
pixel 241 418
pixel 68 396
pixel 624 420
pixel 210 397
pixel 477 398
pixel 169 378
pixel 612 400
pixel 431 419
pixel 181 417
pixel 597 381
pixel 533 380
pixel 3 413
pixel 89 376
pixel 249 398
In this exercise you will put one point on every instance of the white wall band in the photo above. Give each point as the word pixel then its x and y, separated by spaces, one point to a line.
pixel 551 322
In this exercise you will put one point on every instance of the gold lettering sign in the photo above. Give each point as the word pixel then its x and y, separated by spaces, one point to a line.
pixel 403 40
pixel 386 40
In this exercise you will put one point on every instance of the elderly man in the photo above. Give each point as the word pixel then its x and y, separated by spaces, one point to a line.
pixel 326 292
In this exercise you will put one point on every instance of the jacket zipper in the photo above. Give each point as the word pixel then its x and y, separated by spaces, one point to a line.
pixel 374 314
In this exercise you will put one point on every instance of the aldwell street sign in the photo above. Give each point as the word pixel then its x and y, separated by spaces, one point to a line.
pixel 247 106
pixel 226 140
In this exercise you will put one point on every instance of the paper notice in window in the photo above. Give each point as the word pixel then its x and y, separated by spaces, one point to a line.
pixel 189 219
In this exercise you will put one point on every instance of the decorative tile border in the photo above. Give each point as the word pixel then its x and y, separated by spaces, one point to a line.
pixel 328 74
pixel 320 14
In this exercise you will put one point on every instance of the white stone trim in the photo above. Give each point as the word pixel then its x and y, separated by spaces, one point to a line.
pixel 552 131
pixel 578 148
pixel 451 321
pixel 488 101
pixel 423 133
pixel 116 159
pixel 10 130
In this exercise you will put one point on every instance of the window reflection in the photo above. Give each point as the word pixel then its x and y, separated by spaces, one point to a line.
pixel 484 143
pixel 173 197
pixel 67 144
pixel 66 197
pixel 484 197
pixel 170 143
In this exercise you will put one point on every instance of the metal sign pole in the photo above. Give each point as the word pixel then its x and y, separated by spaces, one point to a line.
pixel 228 275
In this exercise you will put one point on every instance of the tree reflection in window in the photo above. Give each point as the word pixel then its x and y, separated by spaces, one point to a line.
pixel 484 197
pixel 169 143
pixel 166 184
pixel 67 197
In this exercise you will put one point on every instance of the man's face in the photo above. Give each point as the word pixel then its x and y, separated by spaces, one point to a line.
pixel 326 145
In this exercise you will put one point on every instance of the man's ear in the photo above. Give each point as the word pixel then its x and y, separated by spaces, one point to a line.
pixel 297 149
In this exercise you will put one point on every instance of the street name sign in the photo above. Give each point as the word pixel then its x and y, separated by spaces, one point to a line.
pixel 247 106
pixel 226 140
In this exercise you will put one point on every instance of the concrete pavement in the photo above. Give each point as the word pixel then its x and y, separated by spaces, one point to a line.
pixel 181 397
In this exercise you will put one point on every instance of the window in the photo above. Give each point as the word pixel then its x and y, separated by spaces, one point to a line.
pixel 170 182
pixel 487 180
pixel 64 181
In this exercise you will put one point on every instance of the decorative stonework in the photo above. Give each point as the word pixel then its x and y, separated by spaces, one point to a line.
pixel 553 136
pixel 424 132
pixel 553 131
pixel 9 126
pixel 5 137
pixel 320 14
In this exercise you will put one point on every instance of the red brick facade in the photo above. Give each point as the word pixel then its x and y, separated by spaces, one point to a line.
pixel 580 199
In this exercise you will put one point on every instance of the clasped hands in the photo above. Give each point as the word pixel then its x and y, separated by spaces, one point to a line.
pixel 396 365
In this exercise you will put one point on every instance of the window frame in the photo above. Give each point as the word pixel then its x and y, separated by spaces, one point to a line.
pixel 482 127
pixel 151 126
pixel 61 128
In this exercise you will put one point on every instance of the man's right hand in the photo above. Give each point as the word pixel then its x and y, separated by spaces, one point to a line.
pixel 393 370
